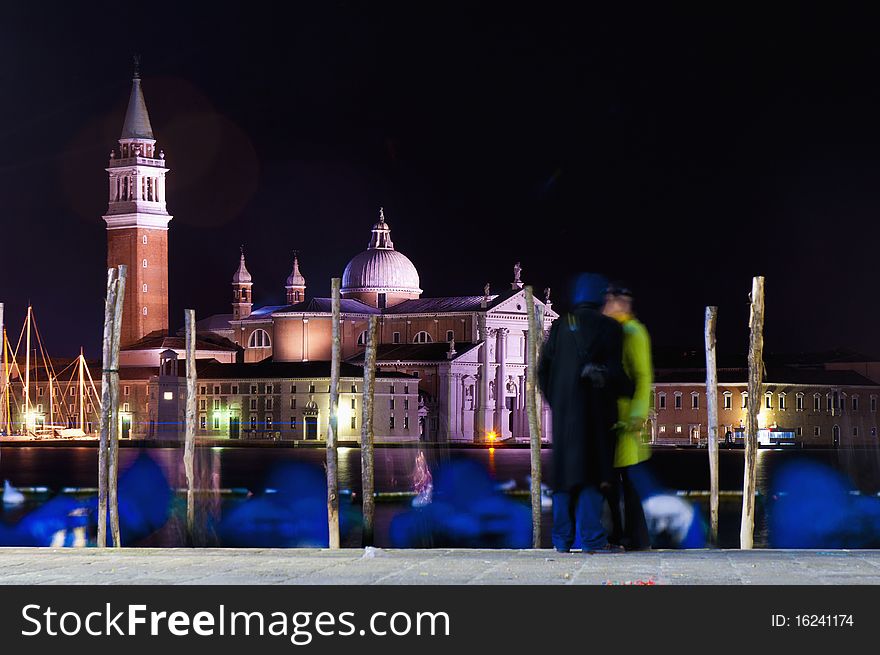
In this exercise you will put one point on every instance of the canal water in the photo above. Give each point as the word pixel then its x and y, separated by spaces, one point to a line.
pixel 246 469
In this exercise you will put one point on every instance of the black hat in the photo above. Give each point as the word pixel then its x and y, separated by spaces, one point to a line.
pixel 618 288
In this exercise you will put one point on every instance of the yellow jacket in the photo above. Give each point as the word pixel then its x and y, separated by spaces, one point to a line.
pixel 633 412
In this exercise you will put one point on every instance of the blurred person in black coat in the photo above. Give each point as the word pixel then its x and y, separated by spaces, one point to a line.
pixel 581 375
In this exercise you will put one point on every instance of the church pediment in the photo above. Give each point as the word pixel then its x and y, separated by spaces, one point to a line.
pixel 516 304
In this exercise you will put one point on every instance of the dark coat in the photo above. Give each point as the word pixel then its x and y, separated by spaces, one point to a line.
pixel 584 412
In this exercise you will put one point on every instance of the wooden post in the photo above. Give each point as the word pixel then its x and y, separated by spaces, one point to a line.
pixel 533 414
pixel 113 454
pixel 712 408
pixel 756 375
pixel 367 475
pixel 333 431
pixel 189 442
pixel 104 443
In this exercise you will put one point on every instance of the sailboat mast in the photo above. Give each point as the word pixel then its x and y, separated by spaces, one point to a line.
pixel 51 401
pixel 7 404
pixel 27 371
pixel 82 389
pixel 5 381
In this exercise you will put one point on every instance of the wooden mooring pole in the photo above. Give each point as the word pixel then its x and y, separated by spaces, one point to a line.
pixel 367 474
pixel 756 376
pixel 333 430
pixel 712 407
pixel 113 456
pixel 533 410
pixel 108 443
pixel 189 441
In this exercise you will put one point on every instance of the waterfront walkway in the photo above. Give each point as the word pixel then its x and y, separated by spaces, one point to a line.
pixel 441 566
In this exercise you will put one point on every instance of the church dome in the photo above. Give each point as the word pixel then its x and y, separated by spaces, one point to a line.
pixel 380 268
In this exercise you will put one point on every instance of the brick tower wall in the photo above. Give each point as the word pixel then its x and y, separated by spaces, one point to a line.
pixel 126 246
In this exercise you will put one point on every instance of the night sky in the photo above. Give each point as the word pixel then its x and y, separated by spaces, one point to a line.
pixel 682 151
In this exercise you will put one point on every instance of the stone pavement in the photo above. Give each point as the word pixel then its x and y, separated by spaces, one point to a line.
pixel 441 566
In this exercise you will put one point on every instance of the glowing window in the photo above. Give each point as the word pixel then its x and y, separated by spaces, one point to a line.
pixel 168 395
pixel 259 339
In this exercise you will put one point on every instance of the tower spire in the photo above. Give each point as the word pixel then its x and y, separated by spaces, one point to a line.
pixel 137 120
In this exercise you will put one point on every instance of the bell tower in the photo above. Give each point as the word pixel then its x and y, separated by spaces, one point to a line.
pixel 137 220
pixel 296 283
pixel 242 285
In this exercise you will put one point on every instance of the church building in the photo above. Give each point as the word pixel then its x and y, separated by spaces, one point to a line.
pixel 468 352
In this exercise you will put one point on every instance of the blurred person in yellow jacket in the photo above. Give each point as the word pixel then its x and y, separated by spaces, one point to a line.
pixel 631 452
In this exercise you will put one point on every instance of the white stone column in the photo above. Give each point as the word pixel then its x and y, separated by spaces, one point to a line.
pixel 483 421
pixel 462 394
pixel 500 424
pixel 305 353
pixel 521 406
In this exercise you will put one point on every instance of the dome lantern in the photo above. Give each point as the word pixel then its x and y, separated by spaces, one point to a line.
pixel 381 276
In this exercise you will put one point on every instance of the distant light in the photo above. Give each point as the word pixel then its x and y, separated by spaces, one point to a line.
pixel 168 395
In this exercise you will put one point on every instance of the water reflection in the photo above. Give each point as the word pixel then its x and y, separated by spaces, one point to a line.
pixel 229 478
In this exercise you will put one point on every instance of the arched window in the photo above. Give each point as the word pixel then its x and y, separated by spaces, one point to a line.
pixel 362 338
pixel 422 337
pixel 259 339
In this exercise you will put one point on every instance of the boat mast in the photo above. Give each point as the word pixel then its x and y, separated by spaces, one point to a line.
pixel 7 404
pixel 27 371
pixel 5 381
pixel 51 401
pixel 82 389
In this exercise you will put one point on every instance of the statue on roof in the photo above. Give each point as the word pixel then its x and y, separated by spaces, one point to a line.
pixel 517 272
pixel 486 290
pixel 547 296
